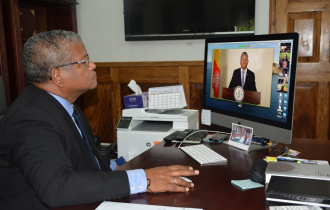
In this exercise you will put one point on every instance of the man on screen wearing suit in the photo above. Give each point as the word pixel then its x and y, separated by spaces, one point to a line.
pixel 243 76
pixel 47 155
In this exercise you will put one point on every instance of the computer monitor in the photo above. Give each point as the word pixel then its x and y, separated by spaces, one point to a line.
pixel 266 100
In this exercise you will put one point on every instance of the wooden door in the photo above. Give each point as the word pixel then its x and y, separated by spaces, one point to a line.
pixel 46 15
pixel 311 19
pixel 3 55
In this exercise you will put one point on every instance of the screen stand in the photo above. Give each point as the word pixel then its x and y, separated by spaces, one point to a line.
pixel 253 146
pixel 260 146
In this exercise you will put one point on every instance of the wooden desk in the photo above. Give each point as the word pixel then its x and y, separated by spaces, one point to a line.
pixel 213 189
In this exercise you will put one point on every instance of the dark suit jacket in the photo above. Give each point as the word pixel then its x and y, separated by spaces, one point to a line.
pixel 249 84
pixel 44 161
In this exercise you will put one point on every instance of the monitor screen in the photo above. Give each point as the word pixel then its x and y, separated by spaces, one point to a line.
pixel 251 81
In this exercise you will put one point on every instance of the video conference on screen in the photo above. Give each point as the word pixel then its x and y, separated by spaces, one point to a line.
pixel 268 63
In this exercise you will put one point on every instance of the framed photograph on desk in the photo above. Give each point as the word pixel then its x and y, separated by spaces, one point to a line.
pixel 240 136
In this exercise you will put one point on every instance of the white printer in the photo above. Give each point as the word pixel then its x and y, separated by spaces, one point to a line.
pixel 139 130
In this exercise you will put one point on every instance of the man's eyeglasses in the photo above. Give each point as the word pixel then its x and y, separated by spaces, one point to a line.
pixel 244 59
pixel 86 61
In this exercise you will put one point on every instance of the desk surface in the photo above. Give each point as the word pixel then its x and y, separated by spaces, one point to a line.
pixel 213 188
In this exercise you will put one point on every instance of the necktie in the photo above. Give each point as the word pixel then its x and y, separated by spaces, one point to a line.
pixel 79 123
pixel 242 80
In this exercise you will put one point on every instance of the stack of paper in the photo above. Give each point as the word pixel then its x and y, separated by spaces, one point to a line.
pixel 107 205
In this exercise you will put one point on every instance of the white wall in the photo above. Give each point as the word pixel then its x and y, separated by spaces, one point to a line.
pixel 101 26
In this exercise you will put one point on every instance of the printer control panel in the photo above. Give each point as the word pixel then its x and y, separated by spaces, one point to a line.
pixel 124 122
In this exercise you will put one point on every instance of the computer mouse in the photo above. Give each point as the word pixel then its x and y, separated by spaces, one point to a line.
pixel 185 178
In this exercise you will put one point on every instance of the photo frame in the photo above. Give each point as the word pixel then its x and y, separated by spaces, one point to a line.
pixel 241 136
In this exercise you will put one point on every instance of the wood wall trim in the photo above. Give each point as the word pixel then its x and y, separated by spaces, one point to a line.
pixel 184 80
pixel 280 12
pixel 322 124
pixel 308 72
pixel 151 63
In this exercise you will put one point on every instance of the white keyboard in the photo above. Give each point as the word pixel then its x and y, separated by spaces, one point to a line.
pixel 203 154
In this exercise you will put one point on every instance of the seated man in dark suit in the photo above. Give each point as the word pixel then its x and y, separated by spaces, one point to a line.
pixel 243 76
pixel 47 155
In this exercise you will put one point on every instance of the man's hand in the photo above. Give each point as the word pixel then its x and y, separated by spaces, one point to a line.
pixel 167 178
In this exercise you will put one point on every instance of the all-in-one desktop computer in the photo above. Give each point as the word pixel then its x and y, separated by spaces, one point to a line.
pixel 266 100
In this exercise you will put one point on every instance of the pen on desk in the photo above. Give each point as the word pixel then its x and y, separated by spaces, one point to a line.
pixel 296 160
pixel 286 159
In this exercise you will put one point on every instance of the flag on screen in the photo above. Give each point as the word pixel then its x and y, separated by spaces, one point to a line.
pixel 216 72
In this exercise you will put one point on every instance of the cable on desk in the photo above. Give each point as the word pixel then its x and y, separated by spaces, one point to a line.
pixel 148 185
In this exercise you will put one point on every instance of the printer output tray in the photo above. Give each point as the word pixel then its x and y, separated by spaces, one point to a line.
pixel 155 126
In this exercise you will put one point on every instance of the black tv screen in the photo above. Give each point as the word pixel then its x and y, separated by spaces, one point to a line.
pixel 187 19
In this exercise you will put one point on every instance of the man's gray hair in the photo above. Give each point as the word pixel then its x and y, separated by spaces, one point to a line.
pixel 244 53
pixel 45 51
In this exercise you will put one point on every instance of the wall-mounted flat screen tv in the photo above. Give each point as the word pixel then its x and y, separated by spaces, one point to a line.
pixel 187 19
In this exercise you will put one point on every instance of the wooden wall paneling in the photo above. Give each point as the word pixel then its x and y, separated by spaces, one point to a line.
pixel 196 73
pixel 308 25
pixel 196 81
pixel 196 98
pixel 116 104
pixel 311 19
pixel 305 98
pixel 150 74
pixel 115 76
pixel 272 16
pixel 184 81
pixel 103 105
pixel 104 112
pixel 323 112
pixel 280 16
pixel 97 107
pixel 124 91
pixel 308 72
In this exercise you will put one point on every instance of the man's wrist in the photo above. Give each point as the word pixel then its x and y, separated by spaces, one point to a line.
pixel 137 181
